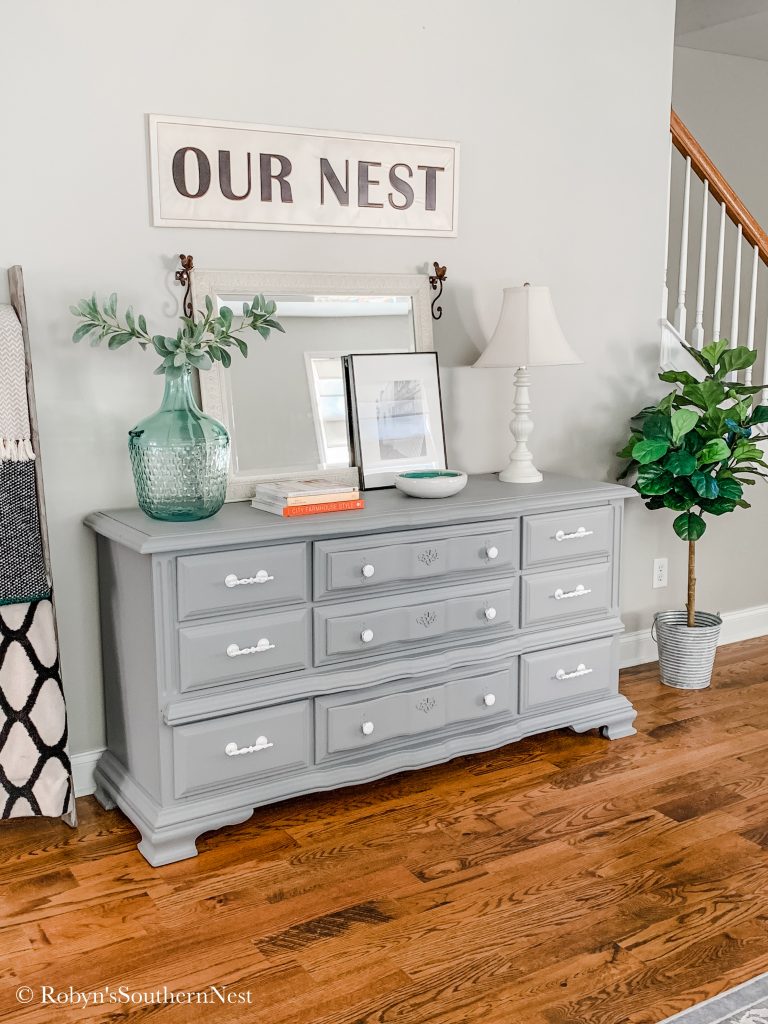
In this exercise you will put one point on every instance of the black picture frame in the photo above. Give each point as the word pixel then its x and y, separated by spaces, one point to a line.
pixel 357 447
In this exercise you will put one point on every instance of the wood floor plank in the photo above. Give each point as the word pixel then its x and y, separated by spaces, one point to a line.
pixel 560 880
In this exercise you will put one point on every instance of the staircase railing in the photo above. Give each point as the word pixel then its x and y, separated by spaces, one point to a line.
pixel 749 233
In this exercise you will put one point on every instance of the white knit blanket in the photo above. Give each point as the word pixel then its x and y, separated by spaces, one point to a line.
pixel 15 440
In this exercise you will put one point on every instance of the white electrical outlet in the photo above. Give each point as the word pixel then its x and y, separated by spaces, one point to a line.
pixel 659 573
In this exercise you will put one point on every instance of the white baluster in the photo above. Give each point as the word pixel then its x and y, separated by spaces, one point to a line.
pixel 697 336
pixel 719 277
pixel 683 273
pixel 734 338
pixel 752 311
pixel 764 392
pixel 665 289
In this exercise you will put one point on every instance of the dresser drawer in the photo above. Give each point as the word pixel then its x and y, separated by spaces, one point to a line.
pixel 566 594
pixel 241 748
pixel 368 628
pixel 568 675
pixel 585 533
pixel 373 563
pixel 246 648
pixel 347 723
pixel 241 579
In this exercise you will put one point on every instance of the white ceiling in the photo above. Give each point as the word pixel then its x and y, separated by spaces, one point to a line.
pixel 738 27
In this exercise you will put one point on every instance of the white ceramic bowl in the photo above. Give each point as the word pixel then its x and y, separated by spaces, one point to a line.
pixel 432 483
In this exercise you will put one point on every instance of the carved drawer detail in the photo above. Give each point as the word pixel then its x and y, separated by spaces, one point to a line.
pixel 428 556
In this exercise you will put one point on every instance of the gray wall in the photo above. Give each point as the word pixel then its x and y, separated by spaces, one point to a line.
pixel 561 110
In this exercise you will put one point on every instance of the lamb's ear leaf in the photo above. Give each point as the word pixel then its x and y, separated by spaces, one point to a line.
pixel 81 331
pixel 118 340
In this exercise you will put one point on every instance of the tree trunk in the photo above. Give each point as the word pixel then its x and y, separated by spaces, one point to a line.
pixel 691 583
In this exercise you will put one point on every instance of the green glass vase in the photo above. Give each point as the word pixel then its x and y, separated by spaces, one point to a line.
pixel 180 457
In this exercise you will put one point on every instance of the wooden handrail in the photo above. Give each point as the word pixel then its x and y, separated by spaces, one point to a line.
pixel 703 166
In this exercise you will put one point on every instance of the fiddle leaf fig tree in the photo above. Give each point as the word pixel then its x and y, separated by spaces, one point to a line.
pixel 197 343
pixel 694 451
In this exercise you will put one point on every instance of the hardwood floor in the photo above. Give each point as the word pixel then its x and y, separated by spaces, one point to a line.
pixel 563 879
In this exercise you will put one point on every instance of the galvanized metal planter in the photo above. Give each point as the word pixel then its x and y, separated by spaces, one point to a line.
pixel 686 653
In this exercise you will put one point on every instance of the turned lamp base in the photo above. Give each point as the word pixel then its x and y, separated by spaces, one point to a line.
pixel 521 469
pixel 520 474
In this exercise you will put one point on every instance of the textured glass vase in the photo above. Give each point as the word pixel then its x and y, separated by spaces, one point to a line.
pixel 180 457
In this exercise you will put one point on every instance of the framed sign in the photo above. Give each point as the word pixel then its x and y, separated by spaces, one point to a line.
pixel 224 174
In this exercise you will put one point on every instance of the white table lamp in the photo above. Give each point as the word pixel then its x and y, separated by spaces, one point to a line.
pixel 527 334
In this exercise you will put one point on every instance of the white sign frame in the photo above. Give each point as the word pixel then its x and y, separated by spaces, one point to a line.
pixel 397 147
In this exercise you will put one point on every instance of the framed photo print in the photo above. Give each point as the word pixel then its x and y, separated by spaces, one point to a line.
pixel 395 415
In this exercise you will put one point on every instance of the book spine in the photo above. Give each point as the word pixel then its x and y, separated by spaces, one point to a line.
pixel 328 506
pixel 322 499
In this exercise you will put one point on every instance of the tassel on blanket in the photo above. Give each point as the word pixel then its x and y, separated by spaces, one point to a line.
pixel 15 437
pixel 19 450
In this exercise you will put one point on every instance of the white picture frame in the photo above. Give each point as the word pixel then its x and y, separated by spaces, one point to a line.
pixel 396 415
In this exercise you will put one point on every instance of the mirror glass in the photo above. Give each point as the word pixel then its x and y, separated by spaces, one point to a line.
pixel 298 378
pixel 284 404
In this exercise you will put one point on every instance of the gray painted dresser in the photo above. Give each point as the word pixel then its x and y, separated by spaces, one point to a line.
pixel 248 658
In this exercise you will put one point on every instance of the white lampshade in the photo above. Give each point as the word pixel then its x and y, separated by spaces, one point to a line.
pixel 528 332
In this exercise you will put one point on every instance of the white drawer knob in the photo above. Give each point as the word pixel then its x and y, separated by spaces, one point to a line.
pixel 368 570
pixel 492 552
pixel 490 614
pixel 262 576
pixel 367 728
pixel 366 636
pixel 489 700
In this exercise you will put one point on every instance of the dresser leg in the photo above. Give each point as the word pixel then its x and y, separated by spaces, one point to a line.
pixel 103 798
pixel 617 730
pixel 618 725
pixel 160 850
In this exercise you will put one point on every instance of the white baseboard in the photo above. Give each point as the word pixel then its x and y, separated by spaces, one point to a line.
pixel 745 624
pixel 82 771
pixel 636 649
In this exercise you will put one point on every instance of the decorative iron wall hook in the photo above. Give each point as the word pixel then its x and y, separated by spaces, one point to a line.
pixel 184 277
pixel 437 280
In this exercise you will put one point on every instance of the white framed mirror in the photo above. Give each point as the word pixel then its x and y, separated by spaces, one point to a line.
pixel 284 404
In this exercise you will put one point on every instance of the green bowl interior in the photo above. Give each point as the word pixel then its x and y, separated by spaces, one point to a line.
pixel 430 474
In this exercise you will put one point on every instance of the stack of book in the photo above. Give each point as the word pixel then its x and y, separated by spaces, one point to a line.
pixel 306 497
